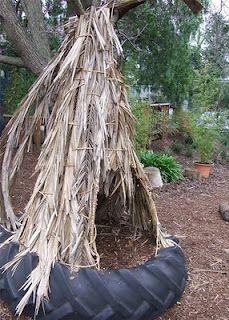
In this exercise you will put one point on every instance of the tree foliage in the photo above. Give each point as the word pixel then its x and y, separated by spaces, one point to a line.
pixel 206 88
pixel 157 46
pixel 20 82
pixel 216 51
pixel 160 54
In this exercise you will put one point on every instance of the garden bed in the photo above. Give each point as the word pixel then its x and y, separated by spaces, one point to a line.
pixel 188 209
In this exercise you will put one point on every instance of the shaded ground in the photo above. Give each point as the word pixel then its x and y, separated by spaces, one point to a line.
pixel 188 209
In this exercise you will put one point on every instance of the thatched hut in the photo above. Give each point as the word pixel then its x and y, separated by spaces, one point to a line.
pixel 88 152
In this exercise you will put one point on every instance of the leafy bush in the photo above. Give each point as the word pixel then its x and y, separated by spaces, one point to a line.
pixel 177 147
pixel 206 88
pixel 170 169
pixel 224 146
pixel 201 133
pixel 189 152
pixel 188 139
pixel 143 125
pixel 20 81
pixel 167 150
pixel 224 154
pixel 183 121
pixel 204 139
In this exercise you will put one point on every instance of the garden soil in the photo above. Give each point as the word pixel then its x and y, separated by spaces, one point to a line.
pixel 188 209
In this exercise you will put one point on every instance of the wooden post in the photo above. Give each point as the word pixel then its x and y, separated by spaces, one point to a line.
pixel 37 135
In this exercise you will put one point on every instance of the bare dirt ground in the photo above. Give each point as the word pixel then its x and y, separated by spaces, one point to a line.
pixel 188 209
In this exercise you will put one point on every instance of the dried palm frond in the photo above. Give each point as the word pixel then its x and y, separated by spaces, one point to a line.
pixel 88 150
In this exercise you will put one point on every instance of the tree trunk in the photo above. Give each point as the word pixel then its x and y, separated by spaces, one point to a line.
pixel 21 42
pixel 37 28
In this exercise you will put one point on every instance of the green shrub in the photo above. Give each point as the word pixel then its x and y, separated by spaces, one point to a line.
pixel 224 154
pixel 177 147
pixel 143 125
pixel 21 80
pixel 205 88
pixel 170 169
pixel 205 139
pixel 188 139
pixel 183 121
pixel 189 152
pixel 224 146
pixel 167 150
pixel 201 133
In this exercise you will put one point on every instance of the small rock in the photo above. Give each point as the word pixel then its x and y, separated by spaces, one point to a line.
pixel 224 210
pixel 154 176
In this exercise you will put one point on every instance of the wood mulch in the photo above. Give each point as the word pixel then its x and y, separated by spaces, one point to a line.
pixel 188 209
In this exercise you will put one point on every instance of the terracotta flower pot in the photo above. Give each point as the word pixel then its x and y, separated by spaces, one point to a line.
pixel 204 168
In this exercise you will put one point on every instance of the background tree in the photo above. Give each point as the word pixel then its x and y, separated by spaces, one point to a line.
pixel 157 47
pixel 216 51
pixel 30 39
pixel 31 33
pixel 205 88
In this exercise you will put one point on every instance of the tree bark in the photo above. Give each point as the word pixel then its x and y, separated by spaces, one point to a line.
pixel 194 5
pixel 21 42
pixel 37 28
pixel 126 5
pixel 75 7
pixel 123 6
pixel 15 61
pixel 119 4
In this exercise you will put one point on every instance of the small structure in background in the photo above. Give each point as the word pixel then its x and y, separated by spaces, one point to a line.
pixel 162 113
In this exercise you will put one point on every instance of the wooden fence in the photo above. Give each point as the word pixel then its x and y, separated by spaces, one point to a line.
pixel 160 121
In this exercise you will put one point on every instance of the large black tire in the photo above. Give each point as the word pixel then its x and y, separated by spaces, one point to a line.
pixel 142 292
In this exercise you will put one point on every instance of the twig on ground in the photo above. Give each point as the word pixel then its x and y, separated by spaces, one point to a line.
pixel 211 270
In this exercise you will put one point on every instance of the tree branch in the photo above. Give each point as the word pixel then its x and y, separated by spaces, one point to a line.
pixel 75 7
pixel 79 7
pixel 194 5
pixel 125 5
pixel 15 61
